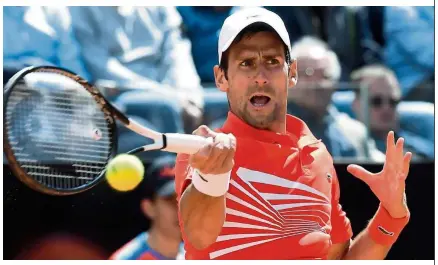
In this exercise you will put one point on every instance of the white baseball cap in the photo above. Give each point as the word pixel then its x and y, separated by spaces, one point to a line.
pixel 238 21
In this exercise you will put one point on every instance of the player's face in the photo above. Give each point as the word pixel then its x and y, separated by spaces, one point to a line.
pixel 384 98
pixel 166 216
pixel 258 78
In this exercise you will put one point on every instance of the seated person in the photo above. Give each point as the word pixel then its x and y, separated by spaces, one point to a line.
pixel 409 51
pixel 33 38
pixel 140 48
pixel 163 239
pixel 202 25
pixel 384 96
pixel 340 27
pixel 318 74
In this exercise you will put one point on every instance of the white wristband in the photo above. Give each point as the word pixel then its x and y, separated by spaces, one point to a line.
pixel 212 185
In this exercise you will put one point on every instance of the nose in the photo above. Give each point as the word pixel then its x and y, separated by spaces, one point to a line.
pixel 261 78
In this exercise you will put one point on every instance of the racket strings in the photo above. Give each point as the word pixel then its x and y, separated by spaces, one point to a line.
pixel 57 132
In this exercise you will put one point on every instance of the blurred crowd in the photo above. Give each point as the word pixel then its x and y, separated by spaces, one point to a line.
pixel 156 64
pixel 362 72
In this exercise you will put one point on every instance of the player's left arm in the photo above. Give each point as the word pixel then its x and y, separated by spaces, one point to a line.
pixel 375 241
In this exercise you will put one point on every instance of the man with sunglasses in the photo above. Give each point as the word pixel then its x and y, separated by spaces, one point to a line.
pixel 319 72
pixel 384 97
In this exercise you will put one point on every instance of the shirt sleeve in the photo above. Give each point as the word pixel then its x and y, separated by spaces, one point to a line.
pixel 68 48
pixel 341 226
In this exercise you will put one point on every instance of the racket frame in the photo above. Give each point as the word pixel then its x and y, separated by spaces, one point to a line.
pixel 170 142
pixel 7 148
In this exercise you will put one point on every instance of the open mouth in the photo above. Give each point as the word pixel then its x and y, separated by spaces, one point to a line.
pixel 259 100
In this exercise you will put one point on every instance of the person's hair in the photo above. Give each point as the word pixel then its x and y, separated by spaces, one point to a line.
pixel 248 32
pixel 373 71
pixel 306 45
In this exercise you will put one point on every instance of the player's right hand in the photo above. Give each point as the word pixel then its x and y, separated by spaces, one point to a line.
pixel 217 157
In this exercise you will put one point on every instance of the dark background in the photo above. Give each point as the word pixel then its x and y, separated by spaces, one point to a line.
pixel 110 219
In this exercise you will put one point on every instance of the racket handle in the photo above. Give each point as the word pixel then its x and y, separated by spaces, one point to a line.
pixel 184 143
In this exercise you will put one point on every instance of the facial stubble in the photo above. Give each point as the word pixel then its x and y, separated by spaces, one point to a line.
pixel 260 121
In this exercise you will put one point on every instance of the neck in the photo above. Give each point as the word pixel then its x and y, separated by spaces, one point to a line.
pixel 164 245
pixel 278 127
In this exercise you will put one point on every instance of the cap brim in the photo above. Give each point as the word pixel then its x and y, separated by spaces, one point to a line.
pixel 167 190
pixel 227 45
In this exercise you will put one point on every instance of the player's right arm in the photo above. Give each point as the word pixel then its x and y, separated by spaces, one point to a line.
pixel 202 203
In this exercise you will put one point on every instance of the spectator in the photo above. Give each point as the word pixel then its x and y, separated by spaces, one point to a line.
pixel 202 25
pixel 340 27
pixel 31 37
pixel 318 74
pixel 142 48
pixel 384 97
pixel 409 52
pixel 163 239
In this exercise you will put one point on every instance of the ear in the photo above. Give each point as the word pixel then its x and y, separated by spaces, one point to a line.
pixel 219 77
pixel 293 74
pixel 147 208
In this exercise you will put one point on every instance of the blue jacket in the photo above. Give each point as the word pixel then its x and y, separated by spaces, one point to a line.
pixel 409 36
pixel 35 36
pixel 139 249
pixel 202 25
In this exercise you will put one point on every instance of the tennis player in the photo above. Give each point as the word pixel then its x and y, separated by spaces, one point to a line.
pixel 163 240
pixel 267 188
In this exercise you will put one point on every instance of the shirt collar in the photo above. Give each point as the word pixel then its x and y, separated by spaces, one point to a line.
pixel 297 132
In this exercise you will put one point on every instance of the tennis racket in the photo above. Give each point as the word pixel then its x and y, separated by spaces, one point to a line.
pixel 59 132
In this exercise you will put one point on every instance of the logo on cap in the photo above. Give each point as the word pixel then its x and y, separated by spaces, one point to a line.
pixel 253 16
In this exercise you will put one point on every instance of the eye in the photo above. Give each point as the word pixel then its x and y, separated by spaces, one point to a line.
pixel 247 63
pixel 273 61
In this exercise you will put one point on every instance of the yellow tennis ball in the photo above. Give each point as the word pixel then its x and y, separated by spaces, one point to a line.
pixel 124 172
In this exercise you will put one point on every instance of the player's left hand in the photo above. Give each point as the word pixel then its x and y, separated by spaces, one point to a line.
pixel 389 184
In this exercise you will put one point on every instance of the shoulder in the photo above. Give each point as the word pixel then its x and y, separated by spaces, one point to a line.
pixel 352 127
pixel 167 15
pixel 133 249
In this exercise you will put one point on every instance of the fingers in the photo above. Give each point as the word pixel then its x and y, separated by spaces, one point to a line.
pixel 217 157
pixel 360 173
pixel 213 165
pixel 399 149
pixel 228 158
pixel 205 131
pixel 406 164
pixel 390 146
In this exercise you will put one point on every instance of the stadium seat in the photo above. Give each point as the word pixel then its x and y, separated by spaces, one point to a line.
pixel 343 101
pixel 163 113
pixel 418 118
pixel 215 105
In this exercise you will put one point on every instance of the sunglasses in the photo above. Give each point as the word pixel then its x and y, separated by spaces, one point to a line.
pixel 378 102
